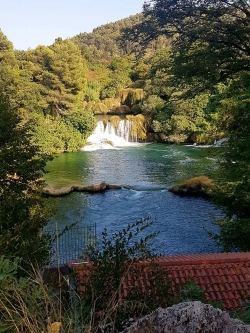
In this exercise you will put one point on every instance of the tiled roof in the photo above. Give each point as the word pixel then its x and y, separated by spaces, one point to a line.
pixel 223 276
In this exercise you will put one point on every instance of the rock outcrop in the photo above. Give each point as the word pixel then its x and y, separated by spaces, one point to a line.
pixel 189 317
pixel 50 191
pixel 198 186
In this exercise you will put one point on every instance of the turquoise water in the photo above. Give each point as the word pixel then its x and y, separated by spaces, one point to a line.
pixel 149 170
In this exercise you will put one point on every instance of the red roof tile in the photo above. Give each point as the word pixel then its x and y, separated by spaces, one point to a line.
pixel 223 276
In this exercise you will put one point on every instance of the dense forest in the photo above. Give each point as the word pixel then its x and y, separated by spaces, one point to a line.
pixel 180 69
pixel 109 71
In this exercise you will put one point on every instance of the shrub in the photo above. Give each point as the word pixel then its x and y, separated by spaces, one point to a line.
pixel 115 260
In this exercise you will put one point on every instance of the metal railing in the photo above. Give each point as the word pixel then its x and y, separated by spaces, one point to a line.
pixel 69 243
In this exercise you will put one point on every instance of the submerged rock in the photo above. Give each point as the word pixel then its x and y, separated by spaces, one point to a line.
pixel 188 317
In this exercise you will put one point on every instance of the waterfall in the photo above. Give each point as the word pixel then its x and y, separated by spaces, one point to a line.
pixel 123 129
pixel 107 137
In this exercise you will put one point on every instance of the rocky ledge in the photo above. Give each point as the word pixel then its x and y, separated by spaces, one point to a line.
pixel 50 191
pixel 188 317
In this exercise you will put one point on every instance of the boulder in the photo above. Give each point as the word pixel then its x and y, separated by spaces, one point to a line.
pixel 188 317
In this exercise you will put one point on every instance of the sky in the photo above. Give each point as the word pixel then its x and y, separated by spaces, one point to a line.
pixel 29 23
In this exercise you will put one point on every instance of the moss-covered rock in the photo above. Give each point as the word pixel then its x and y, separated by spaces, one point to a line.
pixel 201 186
pixel 122 109
pixel 131 96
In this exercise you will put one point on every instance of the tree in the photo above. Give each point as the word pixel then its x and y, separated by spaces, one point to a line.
pixel 119 76
pixel 59 71
pixel 234 186
pixel 211 38
pixel 82 121
pixel 180 119
pixel 210 52
pixel 23 212
pixel 11 82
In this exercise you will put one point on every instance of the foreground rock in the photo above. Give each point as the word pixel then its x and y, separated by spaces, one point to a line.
pixel 189 317
pixel 49 191
pixel 198 186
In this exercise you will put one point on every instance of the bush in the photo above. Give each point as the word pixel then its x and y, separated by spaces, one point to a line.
pixel 115 259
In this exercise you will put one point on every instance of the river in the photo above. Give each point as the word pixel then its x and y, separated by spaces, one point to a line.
pixel 149 169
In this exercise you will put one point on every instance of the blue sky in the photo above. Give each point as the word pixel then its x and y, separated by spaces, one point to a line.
pixel 28 23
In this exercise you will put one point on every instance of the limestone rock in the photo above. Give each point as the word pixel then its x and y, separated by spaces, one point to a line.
pixel 50 191
pixel 189 317
pixel 57 192
pixel 96 188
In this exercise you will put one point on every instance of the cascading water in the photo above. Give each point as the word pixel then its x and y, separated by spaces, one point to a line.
pixel 108 137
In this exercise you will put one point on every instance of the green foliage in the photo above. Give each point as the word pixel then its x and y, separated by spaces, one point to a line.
pixel 7 270
pixel 60 72
pixel 23 212
pixel 46 85
pixel 113 258
pixel 234 234
pixel 55 135
pixel 99 107
pixel 83 121
pixel 104 42
pixel 203 75
pixel 140 70
pixel 113 70
pixel 171 113
pixel 92 91
pixel 233 185
pixel 15 83
pixel 191 292
pixel 152 105
pixel 63 133
pixel 206 33
pixel 243 313
pixel 119 76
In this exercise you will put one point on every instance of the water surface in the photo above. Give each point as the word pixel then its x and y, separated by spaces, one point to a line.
pixel 150 170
